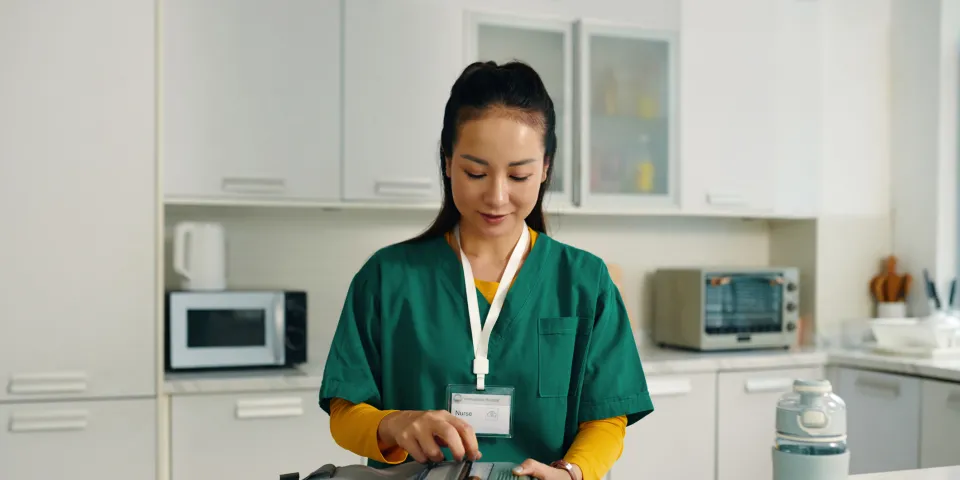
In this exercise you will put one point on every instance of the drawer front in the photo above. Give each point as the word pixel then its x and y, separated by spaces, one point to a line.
pixel 747 402
pixel 940 424
pixel 684 414
pixel 83 440
pixel 251 436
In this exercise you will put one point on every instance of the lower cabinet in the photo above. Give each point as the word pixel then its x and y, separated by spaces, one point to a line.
pixel 256 435
pixel 747 423
pixel 939 424
pixel 684 414
pixel 82 440
pixel 883 420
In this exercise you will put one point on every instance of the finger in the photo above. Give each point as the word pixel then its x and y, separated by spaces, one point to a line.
pixel 429 446
pixel 471 447
pixel 531 468
pixel 449 435
pixel 410 444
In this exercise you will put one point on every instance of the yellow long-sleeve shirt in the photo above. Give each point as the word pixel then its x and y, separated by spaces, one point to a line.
pixel 598 444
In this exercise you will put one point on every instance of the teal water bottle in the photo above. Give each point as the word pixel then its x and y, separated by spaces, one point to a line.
pixel 811 438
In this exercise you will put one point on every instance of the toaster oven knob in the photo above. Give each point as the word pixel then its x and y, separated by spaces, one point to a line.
pixel 791 326
pixel 791 306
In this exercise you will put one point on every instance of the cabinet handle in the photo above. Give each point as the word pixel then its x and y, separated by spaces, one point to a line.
pixel 878 384
pixel 49 421
pixel 761 385
pixel 726 199
pixel 404 188
pixel 253 185
pixel 269 408
pixel 41 383
pixel 669 388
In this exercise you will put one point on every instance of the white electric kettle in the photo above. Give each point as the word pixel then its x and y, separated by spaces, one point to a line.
pixel 199 256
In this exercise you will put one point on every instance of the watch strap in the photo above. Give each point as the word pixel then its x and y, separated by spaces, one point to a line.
pixel 564 465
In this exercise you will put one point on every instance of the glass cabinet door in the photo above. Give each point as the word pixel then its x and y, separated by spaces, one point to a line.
pixel 546 46
pixel 626 124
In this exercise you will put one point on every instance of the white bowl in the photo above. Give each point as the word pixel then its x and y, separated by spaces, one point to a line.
pixel 915 332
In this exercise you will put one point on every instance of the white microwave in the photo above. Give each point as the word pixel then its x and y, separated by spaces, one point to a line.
pixel 234 329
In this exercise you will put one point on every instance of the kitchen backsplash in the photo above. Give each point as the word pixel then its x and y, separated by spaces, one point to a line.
pixel 320 251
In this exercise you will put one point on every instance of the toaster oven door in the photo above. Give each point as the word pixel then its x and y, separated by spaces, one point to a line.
pixel 745 303
pixel 226 330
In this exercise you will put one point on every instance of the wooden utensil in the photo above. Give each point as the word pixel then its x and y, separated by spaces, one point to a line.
pixel 905 287
pixel 877 288
pixel 892 281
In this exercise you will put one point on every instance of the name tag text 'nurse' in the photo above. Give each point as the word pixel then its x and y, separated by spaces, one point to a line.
pixel 488 414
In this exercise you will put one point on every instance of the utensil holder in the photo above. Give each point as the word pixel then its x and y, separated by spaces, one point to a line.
pixel 891 310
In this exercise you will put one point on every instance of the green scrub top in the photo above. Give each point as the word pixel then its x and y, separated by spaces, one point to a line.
pixel 563 341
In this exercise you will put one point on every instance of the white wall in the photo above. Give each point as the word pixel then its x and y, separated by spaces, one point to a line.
pixel 320 251
pixel 925 53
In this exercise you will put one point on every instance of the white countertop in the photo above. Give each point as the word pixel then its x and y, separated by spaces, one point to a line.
pixel 936 368
pixel 656 361
pixel 944 473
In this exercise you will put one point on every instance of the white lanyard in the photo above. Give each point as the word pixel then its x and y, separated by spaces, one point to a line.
pixel 481 339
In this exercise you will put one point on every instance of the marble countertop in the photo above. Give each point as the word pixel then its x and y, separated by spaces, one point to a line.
pixel 656 361
pixel 935 368
pixel 305 377
pixel 944 473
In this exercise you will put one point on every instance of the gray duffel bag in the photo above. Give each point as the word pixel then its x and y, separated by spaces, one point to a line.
pixel 466 470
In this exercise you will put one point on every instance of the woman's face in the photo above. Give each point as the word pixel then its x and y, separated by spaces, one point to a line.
pixel 495 173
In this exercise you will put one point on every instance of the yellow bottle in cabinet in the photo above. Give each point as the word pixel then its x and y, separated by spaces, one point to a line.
pixel 645 169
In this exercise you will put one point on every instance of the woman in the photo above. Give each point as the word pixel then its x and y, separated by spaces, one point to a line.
pixel 416 364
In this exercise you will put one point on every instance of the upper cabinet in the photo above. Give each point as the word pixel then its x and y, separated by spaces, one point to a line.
pixel 750 101
pixel 250 98
pixel 400 61
pixel 547 46
pixel 694 107
pixel 614 93
pixel 626 123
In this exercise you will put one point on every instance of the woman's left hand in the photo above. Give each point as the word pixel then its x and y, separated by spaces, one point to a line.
pixel 535 469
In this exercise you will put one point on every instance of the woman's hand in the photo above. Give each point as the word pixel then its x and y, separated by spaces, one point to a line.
pixel 535 469
pixel 422 433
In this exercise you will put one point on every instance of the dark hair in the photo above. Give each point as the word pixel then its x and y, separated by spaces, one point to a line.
pixel 514 86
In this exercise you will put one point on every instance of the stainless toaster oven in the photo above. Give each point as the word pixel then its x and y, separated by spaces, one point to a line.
pixel 726 308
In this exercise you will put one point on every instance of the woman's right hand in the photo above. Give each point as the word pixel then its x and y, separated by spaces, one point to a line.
pixel 422 433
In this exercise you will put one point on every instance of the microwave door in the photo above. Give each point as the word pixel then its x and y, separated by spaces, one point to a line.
pixel 228 330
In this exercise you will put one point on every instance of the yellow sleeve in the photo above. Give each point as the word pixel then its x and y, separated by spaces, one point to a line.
pixel 354 427
pixel 598 444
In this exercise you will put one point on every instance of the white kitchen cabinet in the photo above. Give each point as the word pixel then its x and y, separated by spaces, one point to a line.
pixel 626 126
pixel 751 96
pixel 883 420
pixel 797 77
pixel 84 440
pixel 251 99
pixel 546 44
pixel 255 435
pixel 727 119
pixel 400 62
pixel 939 424
pixel 747 424
pixel 684 414
pixel 78 201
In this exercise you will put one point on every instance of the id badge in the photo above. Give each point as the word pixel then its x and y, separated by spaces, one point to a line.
pixel 488 411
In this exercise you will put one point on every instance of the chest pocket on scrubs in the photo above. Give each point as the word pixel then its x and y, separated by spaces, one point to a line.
pixel 557 350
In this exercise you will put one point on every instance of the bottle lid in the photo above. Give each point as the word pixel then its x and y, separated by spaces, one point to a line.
pixel 812 386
